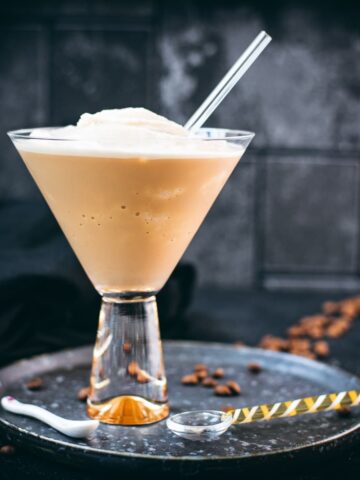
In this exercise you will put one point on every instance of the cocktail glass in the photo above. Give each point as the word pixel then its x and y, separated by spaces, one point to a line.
pixel 129 219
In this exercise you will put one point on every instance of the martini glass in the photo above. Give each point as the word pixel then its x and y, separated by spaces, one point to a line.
pixel 128 219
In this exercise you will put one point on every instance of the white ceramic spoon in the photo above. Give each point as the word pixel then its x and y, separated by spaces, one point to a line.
pixel 71 428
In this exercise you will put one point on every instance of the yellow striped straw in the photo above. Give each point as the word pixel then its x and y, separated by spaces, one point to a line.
pixel 290 408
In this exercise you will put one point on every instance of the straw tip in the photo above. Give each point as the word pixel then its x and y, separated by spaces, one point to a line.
pixel 265 34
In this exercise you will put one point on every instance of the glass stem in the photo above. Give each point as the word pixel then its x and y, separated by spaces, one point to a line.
pixel 128 383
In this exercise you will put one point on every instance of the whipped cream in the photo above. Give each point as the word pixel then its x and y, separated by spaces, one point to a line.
pixel 134 132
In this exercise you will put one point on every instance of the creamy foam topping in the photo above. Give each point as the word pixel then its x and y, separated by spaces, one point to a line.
pixel 125 132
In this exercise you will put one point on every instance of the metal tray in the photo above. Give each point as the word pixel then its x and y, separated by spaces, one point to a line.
pixel 154 448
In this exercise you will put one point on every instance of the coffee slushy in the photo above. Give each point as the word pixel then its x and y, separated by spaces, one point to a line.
pixel 129 189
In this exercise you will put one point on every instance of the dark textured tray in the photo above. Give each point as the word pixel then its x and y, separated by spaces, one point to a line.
pixel 157 449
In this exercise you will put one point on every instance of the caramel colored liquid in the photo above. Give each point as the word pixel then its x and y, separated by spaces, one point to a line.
pixel 128 410
pixel 129 220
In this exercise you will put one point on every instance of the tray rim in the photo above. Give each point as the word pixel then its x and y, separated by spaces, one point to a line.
pixel 4 424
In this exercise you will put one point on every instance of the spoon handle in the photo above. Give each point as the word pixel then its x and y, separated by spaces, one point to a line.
pixel 73 428
pixel 14 406
pixel 290 408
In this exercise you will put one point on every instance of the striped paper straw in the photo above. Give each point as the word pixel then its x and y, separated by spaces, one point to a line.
pixel 290 408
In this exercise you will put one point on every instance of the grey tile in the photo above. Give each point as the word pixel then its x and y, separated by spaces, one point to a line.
pixel 136 9
pixel 73 7
pixel 311 215
pixel 223 249
pixel 44 7
pixel 22 99
pixel 97 68
pixel 302 91
pixel 328 282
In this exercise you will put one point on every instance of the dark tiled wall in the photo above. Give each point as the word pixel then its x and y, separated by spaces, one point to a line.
pixel 289 215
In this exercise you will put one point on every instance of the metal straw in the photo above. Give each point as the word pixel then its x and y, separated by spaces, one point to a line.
pixel 228 82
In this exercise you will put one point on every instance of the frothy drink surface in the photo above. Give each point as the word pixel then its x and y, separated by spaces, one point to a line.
pixel 131 196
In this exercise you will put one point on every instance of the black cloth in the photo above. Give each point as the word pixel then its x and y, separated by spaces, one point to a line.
pixel 46 300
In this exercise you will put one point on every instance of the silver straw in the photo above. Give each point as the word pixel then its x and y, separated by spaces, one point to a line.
pixel 227 83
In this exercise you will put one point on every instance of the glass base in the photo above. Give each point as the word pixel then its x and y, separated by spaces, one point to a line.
pixel 128 383
pixel 128 410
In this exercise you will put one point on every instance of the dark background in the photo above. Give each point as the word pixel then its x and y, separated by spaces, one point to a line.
pixel 289 216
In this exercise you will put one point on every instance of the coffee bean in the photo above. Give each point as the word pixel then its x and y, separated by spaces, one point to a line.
pixel 190 379
pixel 321 349
pixel 200 366
pixel 7 450
pixel 83 394
pixel 234 387
pixel 133 368
pixel 209 382
pixel 222 391
pixel 254 367
pixel 218 373
pixel 35 384
pixel 142 377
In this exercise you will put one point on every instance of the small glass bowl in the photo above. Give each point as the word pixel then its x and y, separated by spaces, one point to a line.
pixel 200 425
